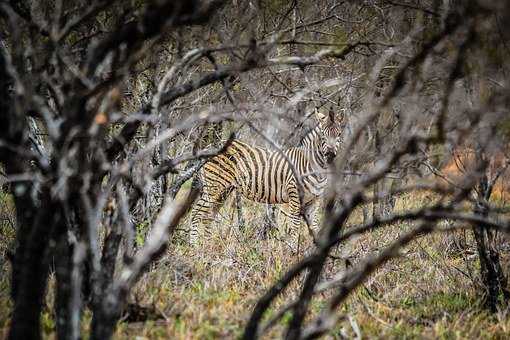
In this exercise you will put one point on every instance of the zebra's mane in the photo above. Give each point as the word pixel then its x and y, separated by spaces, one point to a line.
pixel 310 136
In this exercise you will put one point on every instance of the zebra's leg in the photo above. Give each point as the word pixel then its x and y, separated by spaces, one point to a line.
pixel 294 216
pixel 311 235
pixel 200 215
pixel 204 210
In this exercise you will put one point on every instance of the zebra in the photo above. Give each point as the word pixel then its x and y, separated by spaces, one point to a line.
pixel 267 176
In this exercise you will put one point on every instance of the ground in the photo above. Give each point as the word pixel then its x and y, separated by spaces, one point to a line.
pixel 209 292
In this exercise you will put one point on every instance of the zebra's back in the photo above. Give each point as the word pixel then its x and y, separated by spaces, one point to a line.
pixel 258 174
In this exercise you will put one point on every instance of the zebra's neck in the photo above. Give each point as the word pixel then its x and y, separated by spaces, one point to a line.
pixel 312 145
pixel 310 163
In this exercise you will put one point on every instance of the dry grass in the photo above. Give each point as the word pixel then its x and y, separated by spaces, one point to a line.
pixel 209 292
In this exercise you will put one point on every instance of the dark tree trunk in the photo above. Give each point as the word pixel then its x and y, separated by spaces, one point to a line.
pixel 31 260
pixel 63 268
pixel 104 321
pixel 106 313
pixel 29 263
pixel 493 278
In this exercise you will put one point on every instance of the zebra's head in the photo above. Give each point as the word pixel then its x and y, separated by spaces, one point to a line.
pixel 331 127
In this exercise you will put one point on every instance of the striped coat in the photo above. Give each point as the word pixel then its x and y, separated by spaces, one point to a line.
pixel 268 176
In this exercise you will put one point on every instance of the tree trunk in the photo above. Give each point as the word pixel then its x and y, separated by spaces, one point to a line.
pixel 383 207
pixel 493 279
pixel 33 225
pixel 31 273
pixel 63 269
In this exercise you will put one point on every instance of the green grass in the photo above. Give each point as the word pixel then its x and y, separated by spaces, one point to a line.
pixel 209 292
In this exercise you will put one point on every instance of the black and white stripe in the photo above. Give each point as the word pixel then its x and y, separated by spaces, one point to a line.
pixel 268 176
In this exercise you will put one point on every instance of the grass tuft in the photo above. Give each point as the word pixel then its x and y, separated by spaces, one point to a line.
pixel 209 292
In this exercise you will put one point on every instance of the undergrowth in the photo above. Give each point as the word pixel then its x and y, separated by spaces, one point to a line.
pixel 431 291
